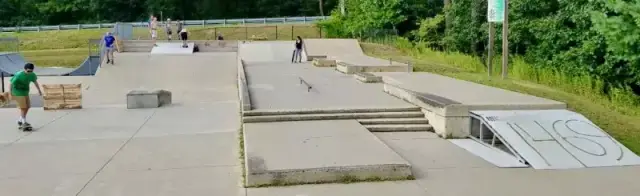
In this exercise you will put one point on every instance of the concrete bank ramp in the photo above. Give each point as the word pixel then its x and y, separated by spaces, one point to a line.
pixel 527 129
pixel 349 56
pixel 267 51
pixel 10 63
pixel 172 48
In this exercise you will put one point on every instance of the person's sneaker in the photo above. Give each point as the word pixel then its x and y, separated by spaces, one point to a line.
pixel 112 62
pixel 19 123
pixel 108 61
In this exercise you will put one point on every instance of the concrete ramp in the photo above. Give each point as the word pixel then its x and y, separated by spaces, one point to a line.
pixel 267 51
pixel 323 48
pixel 551 139
pixel 10 63
pixel 172 48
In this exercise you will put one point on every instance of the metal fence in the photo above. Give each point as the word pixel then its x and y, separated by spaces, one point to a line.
pixel 220 22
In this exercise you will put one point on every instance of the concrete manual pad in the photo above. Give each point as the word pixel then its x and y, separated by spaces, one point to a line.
pixel 172 48
pixel 317 151
pixel 466 93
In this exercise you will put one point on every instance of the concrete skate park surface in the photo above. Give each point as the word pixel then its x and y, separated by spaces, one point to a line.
pixel 191 146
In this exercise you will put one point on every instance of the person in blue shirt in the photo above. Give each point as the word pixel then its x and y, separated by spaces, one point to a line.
pixel 109 41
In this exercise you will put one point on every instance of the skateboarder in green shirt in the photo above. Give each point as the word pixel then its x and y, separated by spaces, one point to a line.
pixel 19 90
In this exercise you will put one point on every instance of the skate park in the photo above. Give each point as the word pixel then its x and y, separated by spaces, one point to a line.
pixel 407 133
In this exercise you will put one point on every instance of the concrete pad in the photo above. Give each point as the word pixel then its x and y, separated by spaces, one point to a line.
pixel 37 117
pixel 277 86
pixel 404 188
pixel 191 119
pixel 177 151
pixel 38 159
pixel 93 123
pixel 317 151
pixel 53 185
pixel 190 181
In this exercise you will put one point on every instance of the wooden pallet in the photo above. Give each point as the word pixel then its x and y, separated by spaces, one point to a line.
pixel 62 96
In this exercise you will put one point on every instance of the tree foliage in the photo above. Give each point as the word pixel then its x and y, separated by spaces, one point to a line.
pixel 598 38
pixel 54 12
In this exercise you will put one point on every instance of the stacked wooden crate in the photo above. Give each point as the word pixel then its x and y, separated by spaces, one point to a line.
pixel 62 96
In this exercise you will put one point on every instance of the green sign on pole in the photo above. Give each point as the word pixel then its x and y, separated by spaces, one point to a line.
pixel 495 11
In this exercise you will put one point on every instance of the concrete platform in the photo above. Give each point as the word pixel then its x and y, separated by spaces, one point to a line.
pixel 277 86
pixel 351 64
pixel 447 101
pixel 317 151
pixel 172 48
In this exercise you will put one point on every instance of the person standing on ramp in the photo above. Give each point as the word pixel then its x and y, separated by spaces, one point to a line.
pixel 179 28
pixel 184 36
pixel 19 90
pixel 154 30
pixel 168 30
pixel 297 53
pixel 109 41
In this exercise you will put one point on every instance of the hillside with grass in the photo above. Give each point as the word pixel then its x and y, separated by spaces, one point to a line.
pixel 583 53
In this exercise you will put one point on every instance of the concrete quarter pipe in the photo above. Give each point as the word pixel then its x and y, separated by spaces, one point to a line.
pixel 10 63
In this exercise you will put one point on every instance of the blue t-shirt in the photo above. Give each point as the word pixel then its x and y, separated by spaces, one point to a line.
pixel 108 40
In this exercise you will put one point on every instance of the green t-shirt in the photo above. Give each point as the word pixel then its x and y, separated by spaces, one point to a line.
pixel 20 83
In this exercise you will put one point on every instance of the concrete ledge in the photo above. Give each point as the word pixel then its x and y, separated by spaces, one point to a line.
pixel 334 116
pixel 243 88
pixel 352 69
pixel 324 62
pixel 287 153
pixel 216 45
pixel 367 77
pixel 329 111
pixel 145 99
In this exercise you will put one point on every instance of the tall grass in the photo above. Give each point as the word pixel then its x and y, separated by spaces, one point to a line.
pixel 622 99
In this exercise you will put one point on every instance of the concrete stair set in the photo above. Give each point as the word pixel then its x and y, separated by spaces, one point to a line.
pixel 375 120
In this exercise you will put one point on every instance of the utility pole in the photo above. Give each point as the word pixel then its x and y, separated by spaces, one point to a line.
pixel 342 9
pixel 505 40
pixel 492 39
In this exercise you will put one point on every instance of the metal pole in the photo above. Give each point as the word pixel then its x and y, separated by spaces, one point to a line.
pixel 292 32
pixel 2 78
pixel 492 37
pixel 276 32
pixel 505 41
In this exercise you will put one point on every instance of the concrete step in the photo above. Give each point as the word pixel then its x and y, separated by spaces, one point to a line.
pixel 399 128
pixel 331 116
pixel 328 111
pixel 394 121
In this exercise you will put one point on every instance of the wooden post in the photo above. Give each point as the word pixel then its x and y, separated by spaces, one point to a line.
pixel 292 32
pixel 276 32
pixel 505 41
pixel 492 39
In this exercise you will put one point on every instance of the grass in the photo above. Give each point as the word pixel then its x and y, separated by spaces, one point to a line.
pixel 68 48
pixel 617 113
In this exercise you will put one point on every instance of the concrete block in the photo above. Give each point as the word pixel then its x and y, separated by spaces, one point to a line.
pixel 367 77
pixel 145 99
pixel 317 152
pixel 324 62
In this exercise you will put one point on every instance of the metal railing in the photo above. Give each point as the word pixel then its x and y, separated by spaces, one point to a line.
pixel 221 22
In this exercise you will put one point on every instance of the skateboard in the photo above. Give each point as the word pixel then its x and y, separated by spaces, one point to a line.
pixel 25 127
